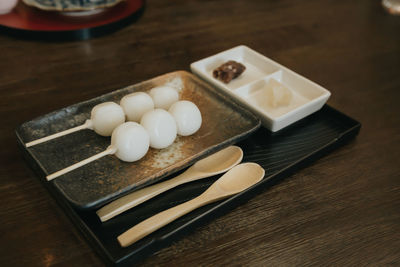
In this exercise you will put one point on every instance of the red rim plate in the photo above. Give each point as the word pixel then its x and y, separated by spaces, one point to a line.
pixel 27 18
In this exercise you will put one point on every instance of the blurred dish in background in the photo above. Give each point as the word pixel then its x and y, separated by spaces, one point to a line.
pixel 7 5
pixel 71 5
pixel 392 6
pixel 29 22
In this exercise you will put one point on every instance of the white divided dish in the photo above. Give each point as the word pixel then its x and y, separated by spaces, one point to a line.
pixel 276 94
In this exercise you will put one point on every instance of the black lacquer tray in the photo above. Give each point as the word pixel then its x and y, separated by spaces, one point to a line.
pixel 280 153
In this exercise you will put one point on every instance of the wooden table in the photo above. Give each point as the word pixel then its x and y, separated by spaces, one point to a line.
pixel 344 209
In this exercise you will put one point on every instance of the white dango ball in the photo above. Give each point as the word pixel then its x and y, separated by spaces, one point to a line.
pixel 161 128
pixel 131 141
pixel 136 105
pixel 164 96
pixel 187 116
pixel 105 117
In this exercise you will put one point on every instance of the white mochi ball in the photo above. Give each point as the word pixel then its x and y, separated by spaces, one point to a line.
pixel 187 116
pixel 136 104
pixel 131 141
pixel 105 117
pixel 164 96
pixel 161 127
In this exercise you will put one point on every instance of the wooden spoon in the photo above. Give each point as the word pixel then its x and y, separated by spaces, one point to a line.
pixel 212 165
pixel 234 181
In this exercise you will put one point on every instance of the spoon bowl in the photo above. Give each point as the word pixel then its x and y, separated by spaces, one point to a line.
pixel 221 161
pixel 234 181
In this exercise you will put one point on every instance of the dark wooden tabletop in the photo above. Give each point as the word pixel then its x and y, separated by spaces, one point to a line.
pixel 344 209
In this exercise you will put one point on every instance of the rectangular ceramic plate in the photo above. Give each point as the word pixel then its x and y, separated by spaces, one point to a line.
pixel 280 154
pixel 252 87
pixel 103 180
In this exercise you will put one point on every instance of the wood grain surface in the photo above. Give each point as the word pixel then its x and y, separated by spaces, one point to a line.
pixel 342 210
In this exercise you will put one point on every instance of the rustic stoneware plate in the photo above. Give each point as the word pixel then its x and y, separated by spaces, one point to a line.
pixel 224 123
pixel 71 5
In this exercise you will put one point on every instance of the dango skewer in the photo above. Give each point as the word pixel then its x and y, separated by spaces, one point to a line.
pixel 129 142
pixel 105 117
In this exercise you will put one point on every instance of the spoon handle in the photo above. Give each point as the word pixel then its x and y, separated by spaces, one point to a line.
pixel 161 219
pixel 86 125
pixel 132 200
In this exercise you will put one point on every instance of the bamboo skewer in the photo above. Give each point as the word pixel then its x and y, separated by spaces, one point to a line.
pixel 87 125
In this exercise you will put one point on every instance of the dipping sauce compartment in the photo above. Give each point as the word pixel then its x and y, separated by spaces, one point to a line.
pixel 276 94
pixel 256 67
